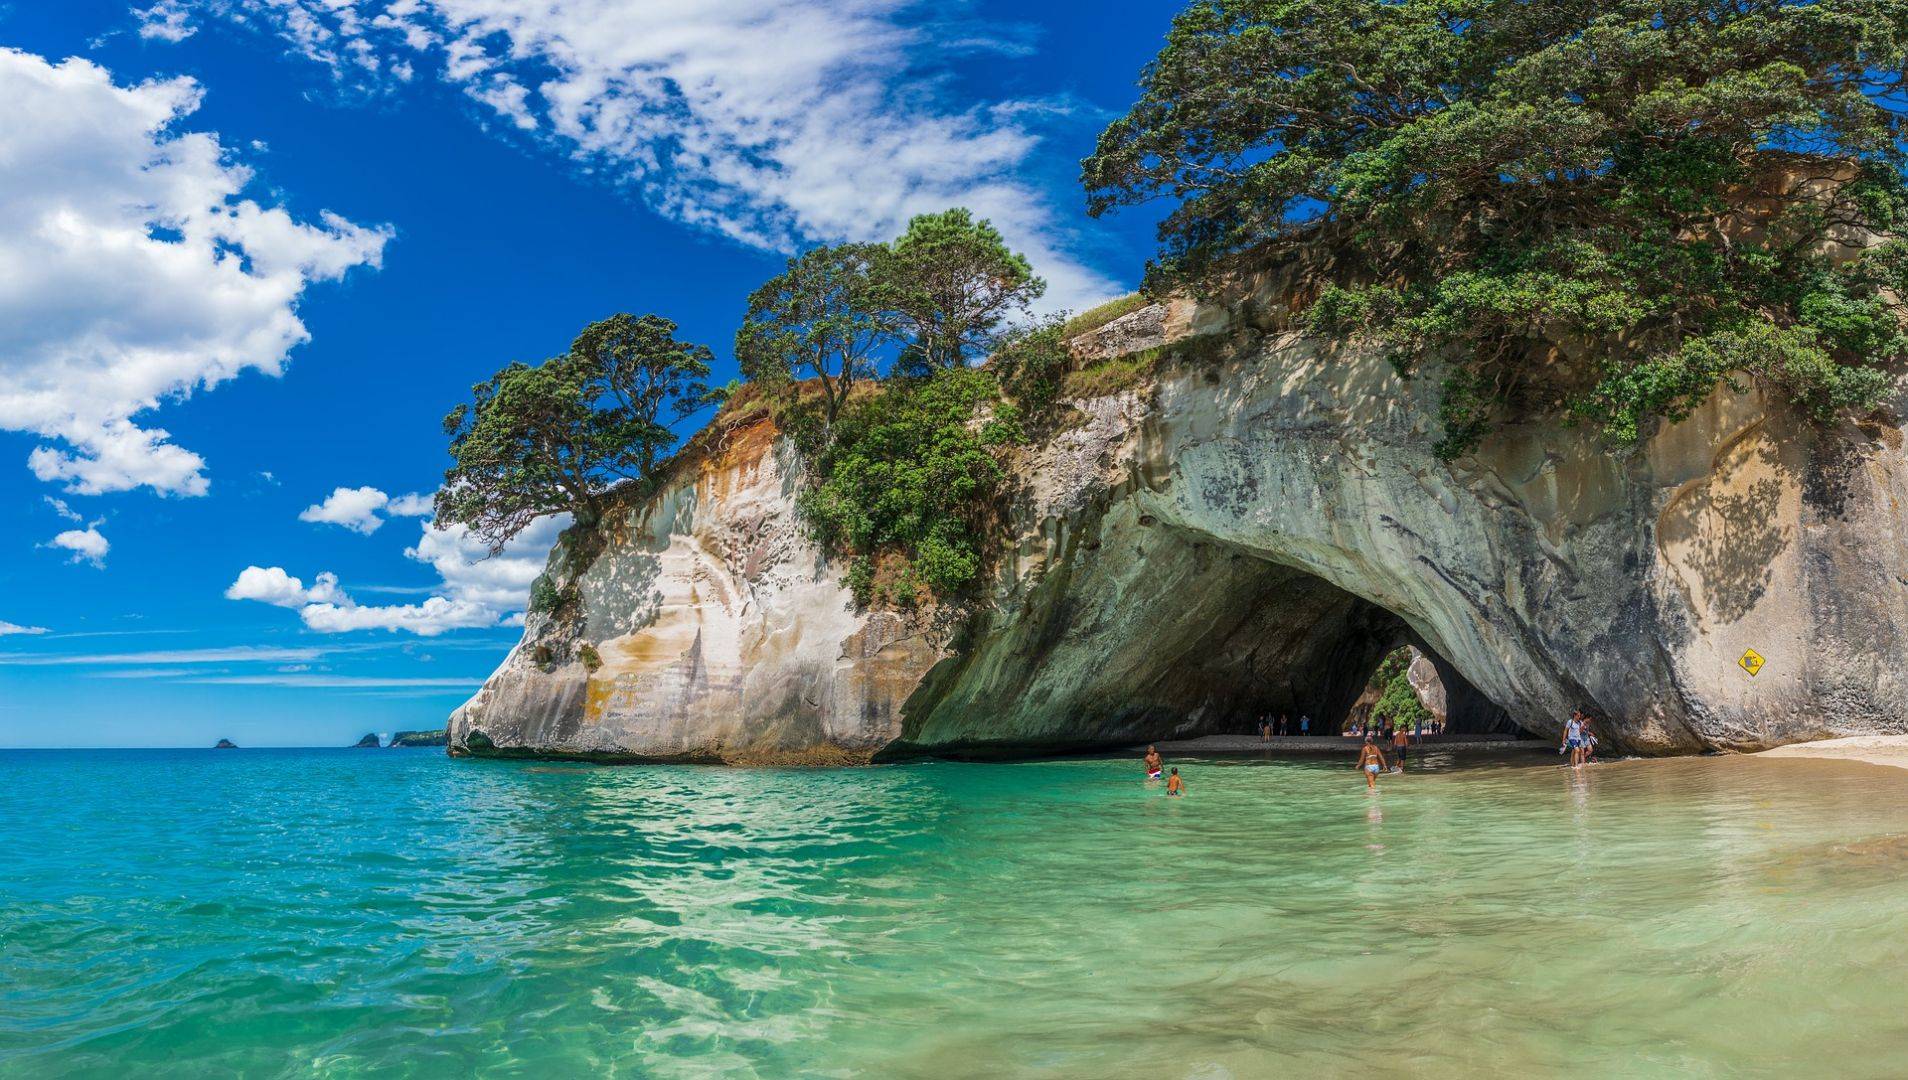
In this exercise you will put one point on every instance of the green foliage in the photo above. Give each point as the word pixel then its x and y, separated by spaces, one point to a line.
pixel 1397 699
pixel 1111 375
pixel 1032 364
pixel 903 476
pixel 820 318
pixel 1497 175
pixel 552 438
pixel 861 579
pixel 591 659
pixel 543 595
pixel 953 283
pixel 912 473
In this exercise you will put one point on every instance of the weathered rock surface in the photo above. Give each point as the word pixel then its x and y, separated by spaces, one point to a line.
pixel 1249 533
pixel 1423 676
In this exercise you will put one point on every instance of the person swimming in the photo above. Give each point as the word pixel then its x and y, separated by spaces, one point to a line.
pixel 1154 763
pixel 1371 761
pixel 1174 785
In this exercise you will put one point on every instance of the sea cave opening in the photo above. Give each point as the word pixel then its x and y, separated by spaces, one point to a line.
pixel 1175 636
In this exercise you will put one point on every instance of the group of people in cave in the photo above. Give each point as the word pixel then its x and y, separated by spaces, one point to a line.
pixel 1579 743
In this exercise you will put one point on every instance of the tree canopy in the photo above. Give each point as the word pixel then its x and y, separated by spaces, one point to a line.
pixel 954 285
pixel 556 436
pixel 1656 183
pixel 821 318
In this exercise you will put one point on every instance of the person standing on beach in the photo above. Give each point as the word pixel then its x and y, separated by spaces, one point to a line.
pixel 1305 724
pixel 1174 785
pixel 1401 742
pixel 1371 761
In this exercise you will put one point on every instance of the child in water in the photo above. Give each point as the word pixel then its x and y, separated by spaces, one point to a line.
pixel 1174 785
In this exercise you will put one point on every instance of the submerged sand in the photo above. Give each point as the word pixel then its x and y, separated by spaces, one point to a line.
pixel 1874 749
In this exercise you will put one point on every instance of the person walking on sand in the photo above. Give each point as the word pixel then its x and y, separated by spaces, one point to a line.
pixel 1265 729
pixel 1372 761
pixel 1401 742
pixel 1174 785
pixel 1153 763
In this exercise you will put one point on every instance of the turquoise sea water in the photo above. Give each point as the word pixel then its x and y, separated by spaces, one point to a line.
pixel 395 913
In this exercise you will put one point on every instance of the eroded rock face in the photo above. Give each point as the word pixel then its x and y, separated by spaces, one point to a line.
pixel 1251 533
pixel 707 629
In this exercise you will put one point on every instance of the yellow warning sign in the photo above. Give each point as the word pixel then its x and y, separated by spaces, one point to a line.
pixel 1751 661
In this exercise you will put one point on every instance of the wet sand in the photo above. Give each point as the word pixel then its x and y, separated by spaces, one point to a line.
pixel 1890 750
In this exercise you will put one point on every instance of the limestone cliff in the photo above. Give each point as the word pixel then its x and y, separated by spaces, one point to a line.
pixel 1249 529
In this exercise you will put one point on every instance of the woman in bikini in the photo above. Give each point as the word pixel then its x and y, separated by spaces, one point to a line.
pixel 1371 760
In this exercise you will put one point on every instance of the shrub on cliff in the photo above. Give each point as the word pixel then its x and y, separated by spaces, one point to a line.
pixel 1652 182
pixel 903 473
pixel 556 436
pixel 912 475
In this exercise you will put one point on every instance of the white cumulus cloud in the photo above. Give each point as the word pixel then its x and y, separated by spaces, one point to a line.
pixel 87 545
pixel 434 616
pixel 272 585
pixel 354 508
pixel 475 589
pixel 134 272
pixel 363 509
pixel 412 505
pixel 772 122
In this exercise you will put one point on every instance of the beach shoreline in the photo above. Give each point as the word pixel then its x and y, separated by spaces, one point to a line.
pixel 1886 750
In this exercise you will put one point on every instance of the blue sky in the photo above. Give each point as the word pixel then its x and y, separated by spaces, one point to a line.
pixel 252 250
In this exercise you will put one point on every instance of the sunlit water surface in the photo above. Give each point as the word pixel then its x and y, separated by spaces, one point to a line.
pixel 395 913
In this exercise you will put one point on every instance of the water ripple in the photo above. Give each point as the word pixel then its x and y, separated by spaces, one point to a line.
pixel 397 914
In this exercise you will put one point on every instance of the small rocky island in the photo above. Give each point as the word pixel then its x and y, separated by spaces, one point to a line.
pixel 369 742
pixel 225 744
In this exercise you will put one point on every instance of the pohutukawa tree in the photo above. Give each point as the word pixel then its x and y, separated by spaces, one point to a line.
pixel 820 318
pixel 1659 184
pixel 955 286
pixel 557 436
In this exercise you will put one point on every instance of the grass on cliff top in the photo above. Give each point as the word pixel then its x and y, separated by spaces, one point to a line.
pixel 1093 318
pixel 1114 374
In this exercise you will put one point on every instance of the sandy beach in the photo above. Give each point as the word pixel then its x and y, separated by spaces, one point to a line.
pixel 1875 749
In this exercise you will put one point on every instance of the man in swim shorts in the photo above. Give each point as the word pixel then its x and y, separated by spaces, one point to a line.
pixel 1153 763
pixel 1401 742
pixel 1372 761
pixel 1174 785
pixel 1573 738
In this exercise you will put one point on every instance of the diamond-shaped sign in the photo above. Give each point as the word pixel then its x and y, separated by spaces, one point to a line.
pixel 1751 661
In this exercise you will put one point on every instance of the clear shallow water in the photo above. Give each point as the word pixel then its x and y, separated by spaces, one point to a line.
pixel 270 913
